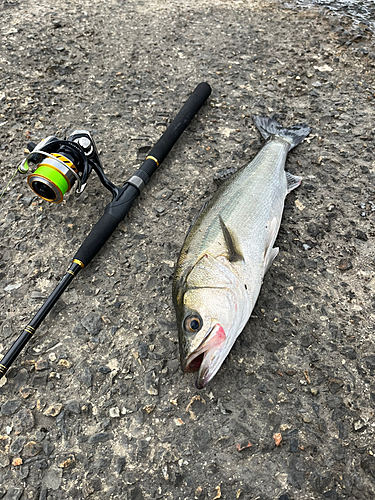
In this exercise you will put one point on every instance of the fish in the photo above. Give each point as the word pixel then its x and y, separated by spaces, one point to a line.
pixel 228 250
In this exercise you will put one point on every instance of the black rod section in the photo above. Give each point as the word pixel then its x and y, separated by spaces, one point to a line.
pixel 114 213
pixel 175 129
pixel 31 328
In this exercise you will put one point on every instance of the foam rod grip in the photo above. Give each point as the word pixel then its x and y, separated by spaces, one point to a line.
pixel 182 120
pixel 106 225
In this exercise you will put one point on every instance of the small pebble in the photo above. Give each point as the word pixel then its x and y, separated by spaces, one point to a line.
pixel 68 462
pixel 26 391
pixel 31 449
pixel 121 462
pixel 345 265
pixel 278 438
pixel 114 412
pixel 10 407
pixel 64 363
pixel 53 410
pixel 100 437
pixel 104 369
pixel 17 445
pixel 360 235
pixel 42 364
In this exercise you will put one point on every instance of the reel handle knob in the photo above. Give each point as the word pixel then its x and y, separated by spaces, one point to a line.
pixel 85 144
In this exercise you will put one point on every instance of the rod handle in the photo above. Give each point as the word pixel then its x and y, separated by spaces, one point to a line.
pixel 181 121
pixel 175 129
pixel 114 213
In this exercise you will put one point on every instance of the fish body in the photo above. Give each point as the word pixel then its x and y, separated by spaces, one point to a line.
pixel 228 250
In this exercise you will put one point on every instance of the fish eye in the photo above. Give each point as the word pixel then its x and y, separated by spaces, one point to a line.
pixel 193 324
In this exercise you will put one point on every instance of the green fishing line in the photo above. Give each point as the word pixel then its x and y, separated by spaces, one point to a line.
pixel 6 187
pixel 53 176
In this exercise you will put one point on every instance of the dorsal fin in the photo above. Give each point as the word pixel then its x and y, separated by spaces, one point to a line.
pixel 222 175
pixel 195 218
pixel 234 253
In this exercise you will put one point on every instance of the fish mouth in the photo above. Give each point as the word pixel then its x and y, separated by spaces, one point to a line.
pixel 205 359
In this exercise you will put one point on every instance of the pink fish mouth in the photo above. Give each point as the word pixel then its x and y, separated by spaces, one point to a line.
pixel 205 359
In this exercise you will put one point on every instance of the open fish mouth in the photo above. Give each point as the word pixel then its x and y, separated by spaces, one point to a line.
pixel 206 359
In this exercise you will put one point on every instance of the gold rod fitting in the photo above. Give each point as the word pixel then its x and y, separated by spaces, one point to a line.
pixel 153 158
pixel 70 272
pixel 76 261
pixel 3 369
pixel 29 329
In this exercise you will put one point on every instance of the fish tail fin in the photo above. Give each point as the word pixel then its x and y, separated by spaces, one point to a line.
pixel 269 127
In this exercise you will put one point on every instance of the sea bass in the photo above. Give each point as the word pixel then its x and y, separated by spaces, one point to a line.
pixel 228 250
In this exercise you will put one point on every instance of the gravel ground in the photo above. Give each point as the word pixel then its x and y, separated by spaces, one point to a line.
pixel 96 406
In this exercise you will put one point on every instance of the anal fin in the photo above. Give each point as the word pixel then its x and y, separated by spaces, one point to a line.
pixel 293 181
pixel 234 253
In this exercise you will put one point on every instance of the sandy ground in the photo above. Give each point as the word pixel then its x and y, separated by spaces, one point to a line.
pixel 96 406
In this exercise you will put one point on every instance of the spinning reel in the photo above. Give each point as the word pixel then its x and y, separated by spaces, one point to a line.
pixel 62 163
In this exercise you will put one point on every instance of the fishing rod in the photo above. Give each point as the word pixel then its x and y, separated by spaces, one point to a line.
pixel 61 163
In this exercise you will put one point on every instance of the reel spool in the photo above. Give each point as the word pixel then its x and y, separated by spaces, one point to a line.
pixel 60 164
pixel 53 178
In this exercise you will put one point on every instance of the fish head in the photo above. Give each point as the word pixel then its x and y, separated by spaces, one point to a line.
pixel 211 312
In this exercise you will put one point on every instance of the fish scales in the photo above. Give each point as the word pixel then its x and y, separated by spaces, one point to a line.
pixel 238 201
pixel 228 250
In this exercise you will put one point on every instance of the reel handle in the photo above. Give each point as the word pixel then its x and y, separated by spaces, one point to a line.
pixel 116 211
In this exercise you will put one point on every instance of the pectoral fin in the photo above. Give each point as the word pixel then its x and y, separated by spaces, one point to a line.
pixel 234 253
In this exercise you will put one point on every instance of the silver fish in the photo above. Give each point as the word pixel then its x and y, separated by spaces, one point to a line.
pixel 229 249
